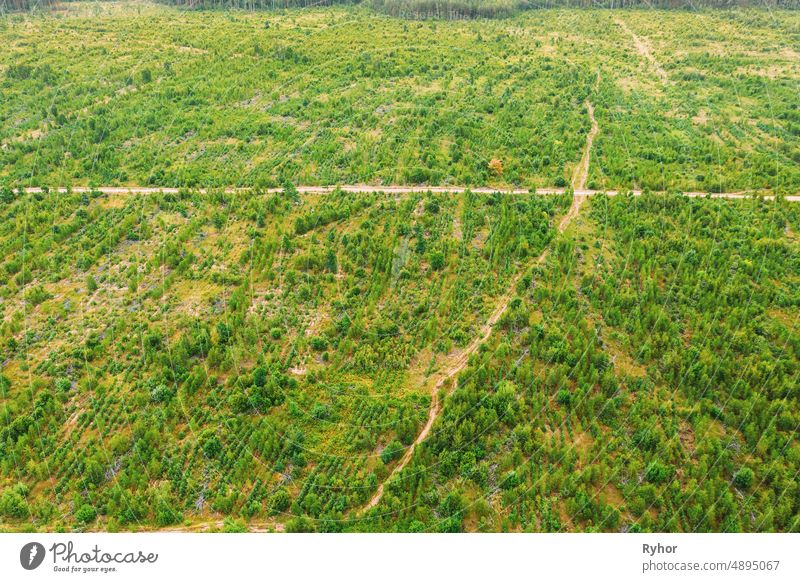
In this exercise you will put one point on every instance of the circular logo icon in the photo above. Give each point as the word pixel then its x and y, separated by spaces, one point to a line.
pixel 31 555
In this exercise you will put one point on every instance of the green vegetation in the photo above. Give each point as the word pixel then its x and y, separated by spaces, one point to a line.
pixel 458 9
pixel 214 358
pixel 251 355
pixel 443 9
pixel 646 380
pixel 270 365
pixel 449 9
pixel 104 94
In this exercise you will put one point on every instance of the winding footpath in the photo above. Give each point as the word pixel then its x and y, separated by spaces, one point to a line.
pixel 582 171
pixel 457 360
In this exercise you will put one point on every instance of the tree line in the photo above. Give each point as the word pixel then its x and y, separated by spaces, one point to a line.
pixel 439 9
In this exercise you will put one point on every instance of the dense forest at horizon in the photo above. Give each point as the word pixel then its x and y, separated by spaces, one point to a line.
pixel 439 8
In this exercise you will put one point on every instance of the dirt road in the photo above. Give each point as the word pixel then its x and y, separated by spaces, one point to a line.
pixel 582 171
pixel 454 363
pixel 457 360
pixel 367 189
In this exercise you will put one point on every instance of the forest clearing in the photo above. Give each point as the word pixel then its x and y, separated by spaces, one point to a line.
pixel 386 268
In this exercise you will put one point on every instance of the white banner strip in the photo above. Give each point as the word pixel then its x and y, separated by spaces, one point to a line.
pixel 400 557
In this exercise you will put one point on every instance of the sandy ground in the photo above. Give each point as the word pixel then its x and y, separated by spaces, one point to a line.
pixel 643 49
pixel 582 171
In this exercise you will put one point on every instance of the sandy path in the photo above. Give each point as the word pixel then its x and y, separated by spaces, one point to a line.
pixel 577 200
pixel 644 49
pixel 205 526
pixel 457 360
pixel 582 171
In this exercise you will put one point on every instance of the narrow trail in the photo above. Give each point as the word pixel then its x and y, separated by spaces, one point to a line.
pixel 400 189
pixel 218 525
pixel 644 50
pixel 457 360
pixel 582 171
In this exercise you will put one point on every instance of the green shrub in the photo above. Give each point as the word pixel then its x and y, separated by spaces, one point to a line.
pixel 392 452
pixel 743 479
pixel 657 473
pixel 85 514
